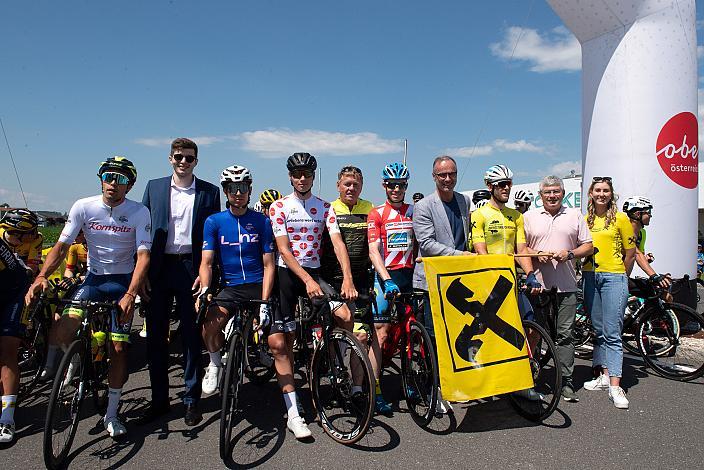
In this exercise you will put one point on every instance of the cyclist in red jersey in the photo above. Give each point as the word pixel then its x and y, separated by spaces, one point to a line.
pixel 392 251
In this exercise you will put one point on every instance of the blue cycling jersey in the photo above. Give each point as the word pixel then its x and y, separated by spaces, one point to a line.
pixel 239 243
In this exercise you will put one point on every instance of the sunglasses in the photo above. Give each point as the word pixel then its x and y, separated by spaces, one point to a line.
pixel 239 187
pixel 601 179
pixel 18 234
pixel 503 184
pixel 179 156
pixel 114 178
pixel 521 204
pixel 302 173
pixel 395 185
pixel 449 174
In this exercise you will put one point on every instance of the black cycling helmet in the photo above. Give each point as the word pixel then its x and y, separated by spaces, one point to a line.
pixel 20 220
pixel 120 165
pixel 301 161
pixel 480 195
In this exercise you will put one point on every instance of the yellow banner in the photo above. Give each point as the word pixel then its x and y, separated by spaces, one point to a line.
pixel 481 344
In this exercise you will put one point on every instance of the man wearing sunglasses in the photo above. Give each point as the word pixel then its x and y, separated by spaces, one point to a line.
pixel 179 205
pixel 19 230
pixel 640 210
pixel 116 229
pixel 298 221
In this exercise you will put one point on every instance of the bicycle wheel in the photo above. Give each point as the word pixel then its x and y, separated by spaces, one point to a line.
pixel 342 387
pixel 419 374
pixel 583 334
pixel 547 376
pixel 65 403
pixel 671 341
pixel 258 360
pixel 31 356
pixel 229 393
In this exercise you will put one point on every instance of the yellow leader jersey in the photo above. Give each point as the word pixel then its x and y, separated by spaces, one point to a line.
pixel 609 245
pixel 501 230
pixel 29 252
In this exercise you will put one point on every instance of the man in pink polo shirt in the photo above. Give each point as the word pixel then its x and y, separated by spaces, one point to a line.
pixel 563 232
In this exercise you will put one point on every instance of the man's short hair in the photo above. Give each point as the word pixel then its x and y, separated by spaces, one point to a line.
pixel 551 180
pixel 351 171
pixel 443 158
pixel 183 143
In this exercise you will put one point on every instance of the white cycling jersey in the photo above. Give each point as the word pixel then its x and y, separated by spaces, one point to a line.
pixel 303 221
pixel 113 234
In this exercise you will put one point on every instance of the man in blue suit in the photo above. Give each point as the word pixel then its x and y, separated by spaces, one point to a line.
pixel 179 205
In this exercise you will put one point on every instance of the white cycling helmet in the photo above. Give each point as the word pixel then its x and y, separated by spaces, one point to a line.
pixel 637 203
pixel 235 174
pixel 481 203
pixel 498 173
pixel 523 196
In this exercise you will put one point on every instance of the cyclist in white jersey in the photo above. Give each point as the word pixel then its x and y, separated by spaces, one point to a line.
pixel 115 229
pixel 299 220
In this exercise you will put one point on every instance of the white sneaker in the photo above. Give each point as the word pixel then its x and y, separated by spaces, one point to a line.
pixel 529 394
pixel 618 396
pixel 211 380
pixel 114 427
pixel 7 433
pixel 600 383
pixel 443 407
pixel 143 331
pixel 298 427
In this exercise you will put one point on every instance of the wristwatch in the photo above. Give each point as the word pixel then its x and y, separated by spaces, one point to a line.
pixel 570 254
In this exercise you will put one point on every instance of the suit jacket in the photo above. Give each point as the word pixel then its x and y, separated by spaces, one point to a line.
pixel 157 197
pixel 431 228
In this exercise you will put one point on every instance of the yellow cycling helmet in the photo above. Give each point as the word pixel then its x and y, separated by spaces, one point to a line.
pixel 20 220
pixel 120 165
pixel 269 196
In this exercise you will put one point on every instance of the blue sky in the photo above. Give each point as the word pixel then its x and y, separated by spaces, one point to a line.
pixel 253 82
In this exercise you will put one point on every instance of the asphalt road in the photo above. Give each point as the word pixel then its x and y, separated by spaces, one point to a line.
pixel 663 428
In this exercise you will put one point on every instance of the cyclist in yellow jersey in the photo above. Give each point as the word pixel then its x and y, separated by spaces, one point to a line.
pixel 639 210
pixel 77 258
pixel 18 228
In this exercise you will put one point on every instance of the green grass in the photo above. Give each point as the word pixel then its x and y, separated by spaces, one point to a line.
pixel 51 234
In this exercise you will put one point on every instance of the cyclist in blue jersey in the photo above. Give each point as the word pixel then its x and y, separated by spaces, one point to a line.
pixel 241 242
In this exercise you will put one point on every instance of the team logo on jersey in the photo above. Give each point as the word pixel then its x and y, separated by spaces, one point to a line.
pixel 123 219
pixel 243 238
pixel 677 149
pixel 148 228
pixel 109 228
pixel 293 211
pixel 327 204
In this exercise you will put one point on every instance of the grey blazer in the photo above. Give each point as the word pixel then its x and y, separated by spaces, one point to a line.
pixel 431 228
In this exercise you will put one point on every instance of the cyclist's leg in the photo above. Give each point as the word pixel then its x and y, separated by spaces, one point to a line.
pixel 114 288
pixel 71 317
pixel 381 328
pixel 342 314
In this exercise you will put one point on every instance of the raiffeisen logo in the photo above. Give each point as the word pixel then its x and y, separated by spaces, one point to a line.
pixel 677 149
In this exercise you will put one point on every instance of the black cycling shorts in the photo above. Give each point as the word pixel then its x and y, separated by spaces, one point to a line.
pixel 232 296
pixel 361 308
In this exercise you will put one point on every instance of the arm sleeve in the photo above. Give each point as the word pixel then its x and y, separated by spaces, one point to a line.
pixel 373 226
pixel 520 230
pixel 143 235
pixel 76 218
pixel 210 234
pixel 72 257
pixel 331 221
pixel 424 231
pixel 267 237
pixel 278 221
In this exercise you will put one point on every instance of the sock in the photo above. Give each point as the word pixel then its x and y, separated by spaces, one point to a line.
pixel 52 356
pixel 8 409
pixel 291 404
pixel 216 358
pixel 113 402
pixel 378 388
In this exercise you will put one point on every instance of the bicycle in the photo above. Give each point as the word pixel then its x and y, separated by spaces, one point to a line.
pixel 83 369
pixel 339 374
pixel 419 372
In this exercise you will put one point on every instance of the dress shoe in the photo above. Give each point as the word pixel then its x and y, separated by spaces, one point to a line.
pixel 192 416
pixel 153 413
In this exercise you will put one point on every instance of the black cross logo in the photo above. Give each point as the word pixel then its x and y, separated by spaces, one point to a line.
pixel 510 217
pixel 485 316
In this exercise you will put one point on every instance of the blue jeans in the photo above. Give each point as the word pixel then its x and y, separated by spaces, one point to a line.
pixel 605 296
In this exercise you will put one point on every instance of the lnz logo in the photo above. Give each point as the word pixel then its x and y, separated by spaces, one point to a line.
pixel 244 238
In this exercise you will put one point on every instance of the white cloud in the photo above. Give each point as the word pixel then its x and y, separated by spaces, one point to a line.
pixel 280 142
pixel 35 201
pixel 556 50
pixel 564 168
pixel 497 146
pixel 166 141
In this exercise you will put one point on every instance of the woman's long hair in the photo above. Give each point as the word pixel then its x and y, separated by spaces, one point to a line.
pixel 610 211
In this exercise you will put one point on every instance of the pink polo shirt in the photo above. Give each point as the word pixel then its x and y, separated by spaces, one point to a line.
pixel 565 231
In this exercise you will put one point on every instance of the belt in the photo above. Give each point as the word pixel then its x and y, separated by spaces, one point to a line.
pixel 177 256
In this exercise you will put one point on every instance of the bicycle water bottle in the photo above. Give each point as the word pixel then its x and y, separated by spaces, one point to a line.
pixel 97 345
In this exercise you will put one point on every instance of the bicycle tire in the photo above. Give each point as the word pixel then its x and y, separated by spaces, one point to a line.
pixel 330 397
pixel 683 360
pixel 547 376
pixel 229 393
pixel 255 371
pixel 65 403
pixel 421 403
pixel 31 357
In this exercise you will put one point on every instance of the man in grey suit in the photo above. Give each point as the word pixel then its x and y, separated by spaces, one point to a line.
pixel 441 226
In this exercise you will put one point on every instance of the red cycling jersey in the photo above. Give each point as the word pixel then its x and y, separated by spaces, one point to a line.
pixel 393 228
